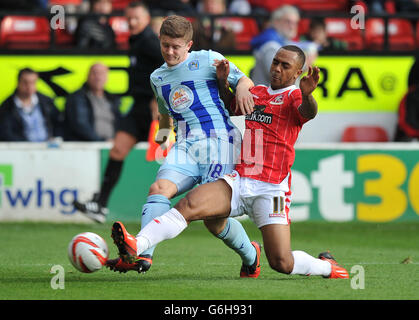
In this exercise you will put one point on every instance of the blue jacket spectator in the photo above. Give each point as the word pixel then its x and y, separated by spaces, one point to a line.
pixel 269 34
pixel 28 115
pixel 283 31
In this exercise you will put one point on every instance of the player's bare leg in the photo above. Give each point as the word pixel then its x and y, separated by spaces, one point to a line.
pixel 210 202
pixel 277 243
pixel 122 145
pixel 206 201
pixel 163 187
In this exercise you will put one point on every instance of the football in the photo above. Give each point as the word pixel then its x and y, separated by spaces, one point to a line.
pixel 88 252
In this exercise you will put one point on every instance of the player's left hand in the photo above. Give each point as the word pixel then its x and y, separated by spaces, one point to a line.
pixel 309 82
pixel 222 69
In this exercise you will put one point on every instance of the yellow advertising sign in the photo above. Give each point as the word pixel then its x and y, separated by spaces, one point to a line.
pixel 61 75
pixel 347 84
pixel 355 84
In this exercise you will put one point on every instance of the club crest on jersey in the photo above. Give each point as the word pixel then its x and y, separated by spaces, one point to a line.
pixel 278 100
pixel 259 115
pixel 193 65
pixel 181 98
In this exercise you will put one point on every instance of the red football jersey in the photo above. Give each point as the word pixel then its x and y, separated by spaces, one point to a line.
pixel 267 152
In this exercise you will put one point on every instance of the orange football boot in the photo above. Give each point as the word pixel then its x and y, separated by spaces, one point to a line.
pixel 142 264
pixel 337 272
pixel 126 243
pixel 252 271
pixel 119 265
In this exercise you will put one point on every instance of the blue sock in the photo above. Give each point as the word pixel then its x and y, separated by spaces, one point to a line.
pixel 155 206
pixel 235 237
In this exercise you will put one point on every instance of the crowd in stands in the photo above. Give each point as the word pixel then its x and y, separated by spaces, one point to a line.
pixel 93 27
pixel 256 26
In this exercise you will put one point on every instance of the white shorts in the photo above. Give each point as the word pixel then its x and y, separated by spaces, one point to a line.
pixel 265 203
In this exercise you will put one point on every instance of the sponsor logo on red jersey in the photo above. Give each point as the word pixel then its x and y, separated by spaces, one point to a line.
pixel 259 115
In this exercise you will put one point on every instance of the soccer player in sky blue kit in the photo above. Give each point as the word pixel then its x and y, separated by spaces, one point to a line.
pixel 207 143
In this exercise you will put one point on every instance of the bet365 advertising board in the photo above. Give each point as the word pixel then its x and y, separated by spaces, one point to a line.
pixel 332 183
pixel 329 183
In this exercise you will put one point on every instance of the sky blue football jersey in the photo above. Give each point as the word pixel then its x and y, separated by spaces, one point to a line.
pixel 189 93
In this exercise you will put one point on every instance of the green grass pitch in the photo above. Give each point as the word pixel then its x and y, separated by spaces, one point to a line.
pixel 197 266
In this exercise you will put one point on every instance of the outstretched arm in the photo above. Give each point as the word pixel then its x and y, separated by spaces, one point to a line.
pixel 308 108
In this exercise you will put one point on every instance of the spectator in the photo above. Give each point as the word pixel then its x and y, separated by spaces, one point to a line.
pixel 317 33
pixel 156 23
pixel 28 115
pixel 91 113
pixel 408 122
pixel 240 7
pixel 221 36
pixel 377 6
pixel 94 31
pixel 407 6
pixel 282 31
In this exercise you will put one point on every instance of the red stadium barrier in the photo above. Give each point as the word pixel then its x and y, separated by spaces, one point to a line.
pixel 364 134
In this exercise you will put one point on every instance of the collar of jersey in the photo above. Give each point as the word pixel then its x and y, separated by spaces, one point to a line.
pixel 180 63
pixel 282 90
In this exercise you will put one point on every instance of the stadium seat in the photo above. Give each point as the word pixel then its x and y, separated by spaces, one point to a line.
pixel 364 134
pixel 303 26
pixel 400 32
pixel 24 32
pixel 340 28
pixel 120 4
pixel 63 38
pixel 120 27
pixel 321 5
pixel 244 28
pixel 305 5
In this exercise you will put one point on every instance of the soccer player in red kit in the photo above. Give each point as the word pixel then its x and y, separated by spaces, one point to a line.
pixel 261 184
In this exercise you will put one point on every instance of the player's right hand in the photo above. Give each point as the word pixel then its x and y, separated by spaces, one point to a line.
pixel 244 99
